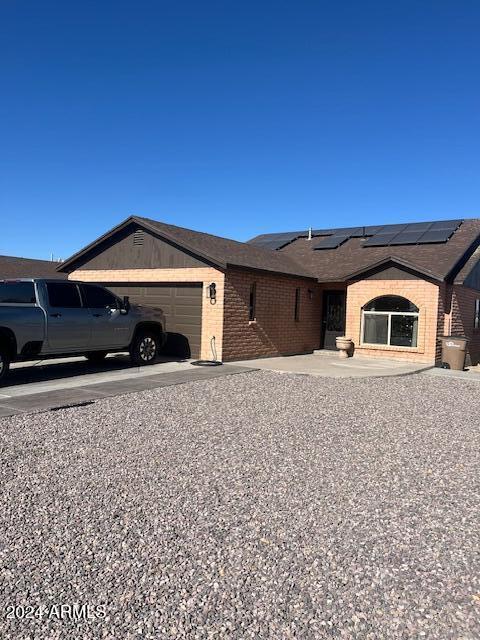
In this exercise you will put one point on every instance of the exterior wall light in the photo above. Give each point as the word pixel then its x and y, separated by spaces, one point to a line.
pixel 212 292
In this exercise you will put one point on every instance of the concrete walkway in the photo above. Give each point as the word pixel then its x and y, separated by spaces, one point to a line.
pixel 72 381
pixel 328 364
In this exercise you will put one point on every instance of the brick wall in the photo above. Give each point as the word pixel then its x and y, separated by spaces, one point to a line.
pixel 443 310
pixel 423 294
pixel 443 319
pixel 462 320
pixel 212 314
pixel 275 330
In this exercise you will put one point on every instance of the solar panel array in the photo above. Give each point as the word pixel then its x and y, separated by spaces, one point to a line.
pixel 330 242
pixel 378 235
pixel 416 233
pixel 276 240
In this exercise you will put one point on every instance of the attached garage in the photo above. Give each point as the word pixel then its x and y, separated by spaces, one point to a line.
pixel 181 305
pixel 184 272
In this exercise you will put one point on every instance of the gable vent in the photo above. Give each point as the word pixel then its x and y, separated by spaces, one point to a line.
pixel 138 237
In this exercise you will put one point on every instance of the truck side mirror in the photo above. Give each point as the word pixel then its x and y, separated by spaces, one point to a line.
pixel 126 304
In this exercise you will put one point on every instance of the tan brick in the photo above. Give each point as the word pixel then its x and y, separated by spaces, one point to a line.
pixel 212 314
pixel 275 332
pixel 425 295
pixel 442 310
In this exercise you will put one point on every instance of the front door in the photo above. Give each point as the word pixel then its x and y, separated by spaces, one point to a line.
pixel 333 318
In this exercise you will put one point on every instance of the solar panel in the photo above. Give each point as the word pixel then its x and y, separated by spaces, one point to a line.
pixel 351 232
pixel 274 241
pixel 380 240
pixel 446 225
pixel 378 235
pixel 271 244
pixel 322 232
pixel 407 237
pixel 372 230
pixel 436 235
pixel 418 226
pixel 391 228
pixel 331 242
pixel 362 232
pixel 348 231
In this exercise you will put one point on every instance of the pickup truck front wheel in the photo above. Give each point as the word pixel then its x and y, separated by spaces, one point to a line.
pixel 4 364
pixel 145 348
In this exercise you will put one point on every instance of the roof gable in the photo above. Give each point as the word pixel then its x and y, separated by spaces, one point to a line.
pixel 136 247
pixel 395 262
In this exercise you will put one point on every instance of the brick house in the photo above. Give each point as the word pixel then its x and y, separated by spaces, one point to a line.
pixel 394 289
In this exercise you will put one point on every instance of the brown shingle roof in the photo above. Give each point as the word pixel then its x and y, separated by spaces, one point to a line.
pixel 13 267
pixel 231 252
pixel 464 272
pixel 438 260
pixel 219 251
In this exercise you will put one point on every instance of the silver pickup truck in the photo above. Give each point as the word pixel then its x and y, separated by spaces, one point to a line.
pixel 40 319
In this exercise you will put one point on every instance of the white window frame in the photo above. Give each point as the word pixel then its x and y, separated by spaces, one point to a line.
pixel 389 333
pixel 476 317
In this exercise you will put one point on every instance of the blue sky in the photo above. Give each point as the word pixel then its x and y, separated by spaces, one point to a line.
pixel 235 118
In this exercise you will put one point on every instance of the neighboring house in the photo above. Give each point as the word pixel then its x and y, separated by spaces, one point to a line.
pixel 12 267
pixel 394 289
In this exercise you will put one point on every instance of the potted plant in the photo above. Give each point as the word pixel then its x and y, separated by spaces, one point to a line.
pixel 345 346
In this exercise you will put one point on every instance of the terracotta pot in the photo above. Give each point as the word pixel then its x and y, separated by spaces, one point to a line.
pixel 344 346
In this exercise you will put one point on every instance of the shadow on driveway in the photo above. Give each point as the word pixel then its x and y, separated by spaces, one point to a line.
pixel 46 370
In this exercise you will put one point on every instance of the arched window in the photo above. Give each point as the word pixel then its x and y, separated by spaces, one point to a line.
pixel 390 320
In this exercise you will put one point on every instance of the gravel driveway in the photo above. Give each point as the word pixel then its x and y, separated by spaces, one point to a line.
pixel 258 505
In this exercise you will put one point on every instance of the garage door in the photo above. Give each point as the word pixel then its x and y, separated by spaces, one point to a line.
pixel 182 306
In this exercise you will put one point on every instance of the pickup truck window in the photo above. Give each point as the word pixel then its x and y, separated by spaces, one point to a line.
pixel 64 295
pixel 17 293
pixel 99 298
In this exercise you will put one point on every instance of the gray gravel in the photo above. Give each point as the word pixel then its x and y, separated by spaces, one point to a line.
pixel 259 505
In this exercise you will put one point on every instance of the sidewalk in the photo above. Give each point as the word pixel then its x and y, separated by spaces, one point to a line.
pixel 328 364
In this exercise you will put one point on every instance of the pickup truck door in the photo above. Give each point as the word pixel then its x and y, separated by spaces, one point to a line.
pixel 69 323
pixel 110 327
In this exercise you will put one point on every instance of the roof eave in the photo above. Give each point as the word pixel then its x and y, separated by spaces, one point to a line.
pixel 278 271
